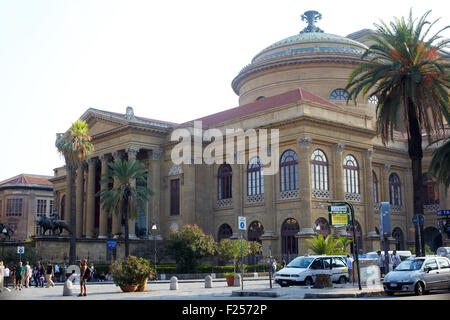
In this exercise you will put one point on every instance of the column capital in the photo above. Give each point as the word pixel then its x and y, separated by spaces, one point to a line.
pixel 304 142
pixel 368 154
pixel 132 152
pixel 91 161
pixel 117 155
pixel 156 154
pixel 339 147
pixel 105 158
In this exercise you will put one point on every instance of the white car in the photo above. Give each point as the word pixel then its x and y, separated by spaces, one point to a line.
pixel 419 275
pixel 303 270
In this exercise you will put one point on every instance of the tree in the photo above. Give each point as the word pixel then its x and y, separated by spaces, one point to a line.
pixel 228 249
pixel 320 245
pixel 129 190
pixel 188 245
pixel 440 161
pixel 410 78
pixel 344 242
pixel 75 146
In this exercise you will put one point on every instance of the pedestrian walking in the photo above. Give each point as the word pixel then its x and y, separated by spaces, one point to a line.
pixel 57 272
pixel 6 273
pixel 36 276
pixel 42 274
pixel 49 273
pixel 27 275
pixel 381 261
pixel 2 276
pixel 85 273
pixel 274 267
pixel 19 275
pixel 349 262
pixel 395 259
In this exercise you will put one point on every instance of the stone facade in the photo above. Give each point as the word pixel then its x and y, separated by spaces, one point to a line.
pixel 293 93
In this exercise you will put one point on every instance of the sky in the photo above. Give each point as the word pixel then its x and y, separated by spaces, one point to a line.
pixel 170 60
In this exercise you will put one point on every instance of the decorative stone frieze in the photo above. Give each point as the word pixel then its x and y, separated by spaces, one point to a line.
pixel 355 197
pixel 304 142
pixel 156 154
pixel 339 147
pixel 386 168
pixel 431 207
pixel 289 194
pixel 255 198
pixel 223 203
pixel 175 170
pixel 320 194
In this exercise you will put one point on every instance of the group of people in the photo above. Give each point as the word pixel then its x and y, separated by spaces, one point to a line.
pixel 394 259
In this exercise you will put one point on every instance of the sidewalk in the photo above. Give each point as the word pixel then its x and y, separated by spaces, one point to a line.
pixel 193 290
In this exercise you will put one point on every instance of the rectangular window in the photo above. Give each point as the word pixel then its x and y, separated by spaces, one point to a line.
pixel 175 197
pixel 14 207
pixel 41 207
pixel 51 207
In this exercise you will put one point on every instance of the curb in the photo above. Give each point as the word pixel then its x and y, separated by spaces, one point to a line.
pixel 255 294
pixel 343 295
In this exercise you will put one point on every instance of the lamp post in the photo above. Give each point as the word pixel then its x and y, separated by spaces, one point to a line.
pixel 154 228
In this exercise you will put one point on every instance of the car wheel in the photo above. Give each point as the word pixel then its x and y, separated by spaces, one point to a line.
pixel 419 289
pixel 390 293
pixel 342 280
pixel 308 281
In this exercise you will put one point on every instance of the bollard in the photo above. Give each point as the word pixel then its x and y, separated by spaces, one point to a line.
pixel 174 283
pixel 237 280
pixel 68 286
pixel 208 282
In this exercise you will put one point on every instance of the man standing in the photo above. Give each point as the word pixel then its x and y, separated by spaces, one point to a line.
pixel 19 274
pixel 49 273
pixel 381 260
pixel 27 275
pixel 56 272
pixel 37 274
pixel 6 275
pixel 395 259
pixel 350 268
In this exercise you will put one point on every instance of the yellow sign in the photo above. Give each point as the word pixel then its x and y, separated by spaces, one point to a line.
pixel 339 219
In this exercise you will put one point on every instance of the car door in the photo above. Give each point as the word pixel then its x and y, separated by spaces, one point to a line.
pixel 431 277
pixel 316 268
pixel 444 272
pixel 339 269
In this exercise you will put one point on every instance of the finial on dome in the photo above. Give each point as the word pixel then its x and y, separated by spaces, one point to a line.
pixel 311 17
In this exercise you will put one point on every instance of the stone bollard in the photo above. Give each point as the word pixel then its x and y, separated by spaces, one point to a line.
pixel 237 280
pixel 174 283
pixel 68 286
pixel 208 282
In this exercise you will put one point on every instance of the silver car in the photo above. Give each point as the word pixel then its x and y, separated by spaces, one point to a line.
pixel 419 275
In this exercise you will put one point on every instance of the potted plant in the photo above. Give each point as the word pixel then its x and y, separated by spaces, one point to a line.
pixel 132 273
pixel 230 278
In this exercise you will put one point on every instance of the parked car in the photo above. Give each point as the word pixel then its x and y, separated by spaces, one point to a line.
pixel 419 275
pixel 303 270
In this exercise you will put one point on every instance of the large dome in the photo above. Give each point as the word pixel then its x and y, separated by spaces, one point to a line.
pixel 310 46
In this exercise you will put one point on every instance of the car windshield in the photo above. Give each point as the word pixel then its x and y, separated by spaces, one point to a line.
pixel 410 265
pixel 302 262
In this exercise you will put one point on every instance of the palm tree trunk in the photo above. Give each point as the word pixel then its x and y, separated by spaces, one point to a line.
pixel 416 155
pixel 125 219
pixel 73 217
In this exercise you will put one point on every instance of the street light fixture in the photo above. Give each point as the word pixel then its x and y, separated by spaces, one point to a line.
pixel 154 228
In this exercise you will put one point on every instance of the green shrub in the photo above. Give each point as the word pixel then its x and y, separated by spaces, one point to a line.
pixel 132 271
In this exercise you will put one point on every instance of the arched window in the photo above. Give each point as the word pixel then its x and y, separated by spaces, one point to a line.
pixel 255 179
pixel 319 171
pixel 397 234
pixel 225 232
pixel 351 175
pixel 375 187
pixel 339 94
pixel 224 183
pixel 322 227
pixel 395 194
pixel 289 171
pixel 289 246
pixel 431 190
pixel 255 231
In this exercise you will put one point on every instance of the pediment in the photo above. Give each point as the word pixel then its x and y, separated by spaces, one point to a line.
pixel 99 126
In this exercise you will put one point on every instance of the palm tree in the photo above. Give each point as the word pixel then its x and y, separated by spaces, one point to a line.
pixel 440 161
pixel 129 191
pixel 410 77
pixel 320 245
pixel 75 146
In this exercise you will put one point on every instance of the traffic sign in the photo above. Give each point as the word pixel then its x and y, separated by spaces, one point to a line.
pixel 20 250
pixel 111 244
pixel 242 223
pixel 443 213
pixel 418 219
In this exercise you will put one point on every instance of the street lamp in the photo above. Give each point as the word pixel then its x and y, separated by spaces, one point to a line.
pixel 154 228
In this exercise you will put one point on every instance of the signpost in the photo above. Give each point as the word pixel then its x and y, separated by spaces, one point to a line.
pixel 242 223
pixel 341 208
pixel 385 231
pixel 20 251
pixel 338 215
pixel 418 220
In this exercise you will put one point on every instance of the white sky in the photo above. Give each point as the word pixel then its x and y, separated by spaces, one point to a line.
pixel 169 60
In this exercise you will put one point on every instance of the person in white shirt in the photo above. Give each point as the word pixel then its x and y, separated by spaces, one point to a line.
pixel 6 276
pixel 57 272
pixel 350 268
pixel 381 261
pixel 27 275
pixel 395 259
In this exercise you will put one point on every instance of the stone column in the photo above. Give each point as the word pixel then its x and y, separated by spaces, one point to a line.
pixel 103 225
pixel 304 171
pixel 369 210
pixel 338 172
pixel 153 182
pixel 116 226
pixel 79 198
pixel 90 216
pixel 132 152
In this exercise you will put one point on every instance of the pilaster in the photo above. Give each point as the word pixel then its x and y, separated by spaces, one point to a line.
pixel 338 172
pixel 132 153
pixel 90 216
pixel 79 199
pixel 103 225
pixel 116 226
